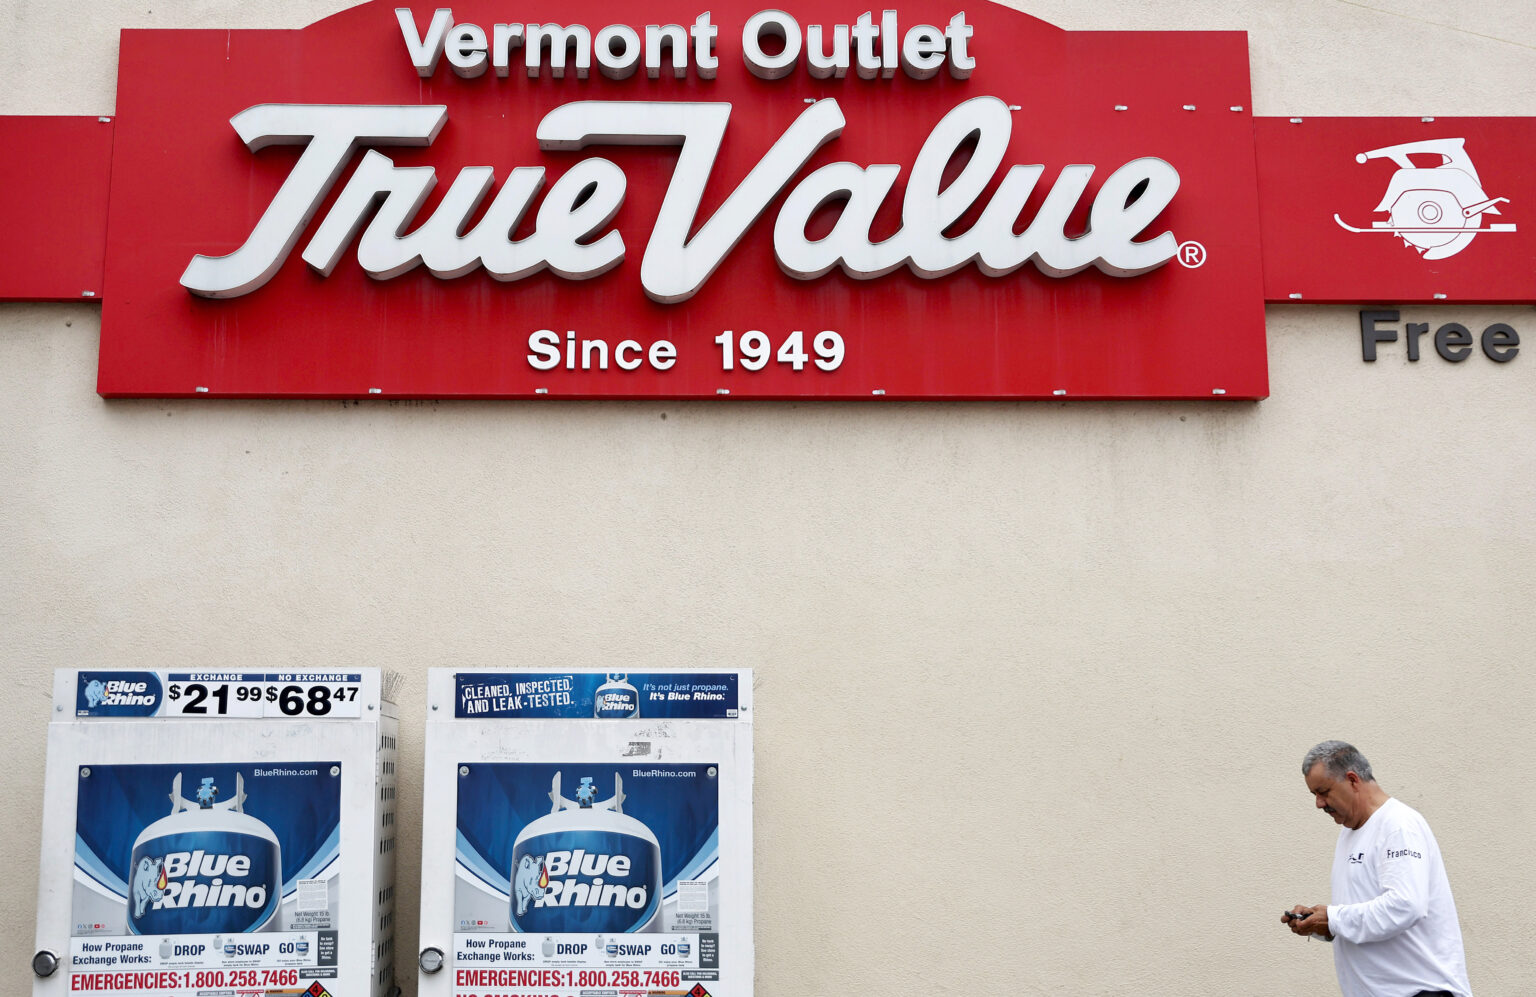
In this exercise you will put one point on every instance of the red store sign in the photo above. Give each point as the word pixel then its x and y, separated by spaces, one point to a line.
pixel 823 201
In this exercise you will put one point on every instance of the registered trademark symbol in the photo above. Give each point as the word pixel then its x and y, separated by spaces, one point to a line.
pixel 1191 254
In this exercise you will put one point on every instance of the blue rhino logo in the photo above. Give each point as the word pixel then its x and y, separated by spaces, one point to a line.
pixel 95 692
pixel 530 869
pixel 147 888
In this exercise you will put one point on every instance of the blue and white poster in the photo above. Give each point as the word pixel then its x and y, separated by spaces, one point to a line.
pixel 203 865
pixel 582 847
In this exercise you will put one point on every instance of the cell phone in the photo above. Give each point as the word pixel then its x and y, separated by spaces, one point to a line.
pixel 1291 915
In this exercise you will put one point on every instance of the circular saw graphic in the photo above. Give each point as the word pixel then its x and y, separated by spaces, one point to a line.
pixel 1438 210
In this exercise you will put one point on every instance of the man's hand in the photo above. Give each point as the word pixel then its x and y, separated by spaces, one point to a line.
pixel 1309 921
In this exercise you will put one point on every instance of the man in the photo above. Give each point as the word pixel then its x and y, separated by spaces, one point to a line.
pixel 1393 922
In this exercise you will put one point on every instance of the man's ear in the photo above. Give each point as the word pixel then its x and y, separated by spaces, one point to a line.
pixel 1353 778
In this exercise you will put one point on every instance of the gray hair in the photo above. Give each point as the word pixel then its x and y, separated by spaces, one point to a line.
pixel 1338 758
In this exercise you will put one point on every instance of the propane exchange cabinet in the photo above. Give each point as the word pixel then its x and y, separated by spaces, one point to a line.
pixel 587 832
pixel 218 832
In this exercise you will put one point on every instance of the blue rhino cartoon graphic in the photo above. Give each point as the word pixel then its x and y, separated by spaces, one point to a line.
pixel 95 692
pixel 146 884
pixel 526 881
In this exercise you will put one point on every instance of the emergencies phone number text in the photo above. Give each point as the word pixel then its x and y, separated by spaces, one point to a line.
pixel 215 978
pixel 633 979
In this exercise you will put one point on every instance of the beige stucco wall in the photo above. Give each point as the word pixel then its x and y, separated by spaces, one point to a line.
pixel 1033 680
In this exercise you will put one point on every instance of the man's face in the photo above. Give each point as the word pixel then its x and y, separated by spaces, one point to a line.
pixel 1342 799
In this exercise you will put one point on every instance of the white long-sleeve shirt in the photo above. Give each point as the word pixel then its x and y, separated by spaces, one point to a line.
pixel 1392 917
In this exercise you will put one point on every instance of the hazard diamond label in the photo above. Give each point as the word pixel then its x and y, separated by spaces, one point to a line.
pixel 317 989
pixel 698 991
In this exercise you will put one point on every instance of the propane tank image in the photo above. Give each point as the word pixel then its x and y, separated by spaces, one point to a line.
pixel 207 867
pixel 1437 210
pixel 616 699
pixel 586 866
